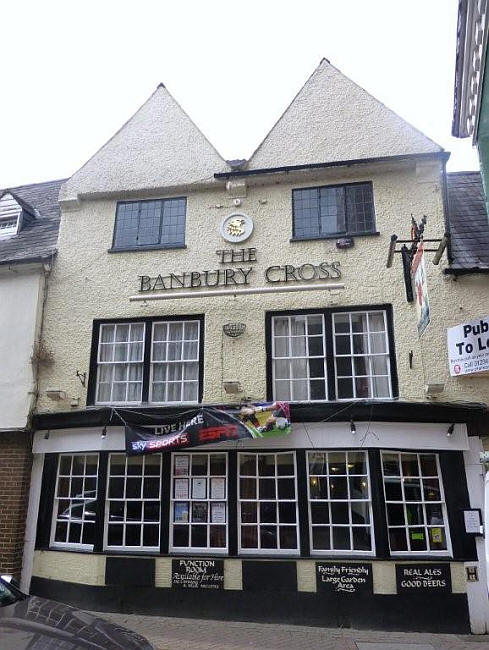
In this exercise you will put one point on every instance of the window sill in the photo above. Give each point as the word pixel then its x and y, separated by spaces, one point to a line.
pixel 139 249
pixel 337 236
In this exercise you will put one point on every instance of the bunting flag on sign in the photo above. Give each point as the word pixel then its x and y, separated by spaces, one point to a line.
pixel 207 425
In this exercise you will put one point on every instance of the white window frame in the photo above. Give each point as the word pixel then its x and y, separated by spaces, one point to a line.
pixel 307 357
pixel 12 227
pixel 199 550
pixel 368 355
pixel 343 552
pixel 153 362
pixel 427 552
pixel 268 551
pixel 100 363
pixel 54 518
pixel 125 500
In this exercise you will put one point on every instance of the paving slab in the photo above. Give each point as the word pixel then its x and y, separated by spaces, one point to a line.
pixel 169 633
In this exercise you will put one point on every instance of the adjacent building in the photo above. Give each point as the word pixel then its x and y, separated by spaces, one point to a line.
pixel 186 287
pixel 29 220
pixel 471 97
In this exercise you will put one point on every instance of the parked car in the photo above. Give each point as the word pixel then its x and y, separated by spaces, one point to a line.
pixel 33 623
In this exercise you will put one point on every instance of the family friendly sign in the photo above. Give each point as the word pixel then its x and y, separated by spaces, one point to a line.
pixel 468 347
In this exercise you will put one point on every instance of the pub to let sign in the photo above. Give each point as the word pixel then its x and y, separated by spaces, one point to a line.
pixel 348 578
pixel 412 578
pixel 198 574
pixel 468 347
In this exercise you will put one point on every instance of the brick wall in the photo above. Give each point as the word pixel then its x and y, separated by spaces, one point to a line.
pixel 15 472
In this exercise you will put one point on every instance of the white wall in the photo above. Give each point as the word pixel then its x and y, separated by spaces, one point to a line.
pixel 20 303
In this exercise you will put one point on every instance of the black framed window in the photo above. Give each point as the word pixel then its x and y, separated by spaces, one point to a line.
pixel 320 355
pixel 155 360
pixel 150 224
pixel 351 502
pixel 333 210
pixel 415 503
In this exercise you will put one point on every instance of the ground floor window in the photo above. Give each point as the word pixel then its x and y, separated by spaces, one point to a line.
pixel 339 501
pixel 415 503
pixel 132 510
pixel 300 502
pixel 268 502
pixel 198 512
pixel 75 500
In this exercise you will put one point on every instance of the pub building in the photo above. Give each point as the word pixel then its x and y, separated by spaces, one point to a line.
pixel 244 418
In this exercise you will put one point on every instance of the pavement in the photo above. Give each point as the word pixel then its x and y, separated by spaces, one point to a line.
pixel 197 634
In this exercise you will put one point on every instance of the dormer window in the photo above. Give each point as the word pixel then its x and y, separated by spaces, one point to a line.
pixel 10 211
pixel 13 213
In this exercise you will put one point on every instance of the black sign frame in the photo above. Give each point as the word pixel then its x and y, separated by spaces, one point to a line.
pixel 201 573
pixel 344 577
pixel 424 578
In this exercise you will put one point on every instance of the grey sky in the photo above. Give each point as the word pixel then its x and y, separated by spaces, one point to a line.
pixel 74 71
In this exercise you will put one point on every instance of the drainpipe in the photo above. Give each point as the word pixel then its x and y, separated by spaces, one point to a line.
pixel 38 459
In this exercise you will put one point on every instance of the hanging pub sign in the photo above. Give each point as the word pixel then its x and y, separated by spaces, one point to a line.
pixel 468 347
pixel 344 577
pixel 418 273
pixel 197 574
pixel 207 425
pixel 418 578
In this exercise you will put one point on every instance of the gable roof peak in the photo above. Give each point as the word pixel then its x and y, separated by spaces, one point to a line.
pixel 332 119
pixel 159 148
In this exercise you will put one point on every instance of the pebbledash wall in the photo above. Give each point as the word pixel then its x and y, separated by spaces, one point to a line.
pixel 91 283
pixel 88 283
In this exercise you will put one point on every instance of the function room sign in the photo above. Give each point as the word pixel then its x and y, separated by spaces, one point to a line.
pixel 422 578
pixel 468 347
pixel 197 574
pixel 344 577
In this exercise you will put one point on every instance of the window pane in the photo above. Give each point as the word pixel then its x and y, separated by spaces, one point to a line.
pixel 75 499
pixel 200 499
pixel 149 223
pixel 360 208
pixel 271 510
pixel 340 504
pixel 133 501
pixel 408 519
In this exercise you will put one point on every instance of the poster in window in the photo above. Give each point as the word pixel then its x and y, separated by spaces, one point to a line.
pixel 181 488
pixel 199 513
pixel 181 513
pixel 218 488
pixel 181 465
pixel 218 513
pixel 418 272
pixel 199 488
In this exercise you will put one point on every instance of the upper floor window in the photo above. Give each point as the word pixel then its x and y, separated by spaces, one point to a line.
pixel 152 360
pixel 150 224
pixel 333 210
pixel 351 348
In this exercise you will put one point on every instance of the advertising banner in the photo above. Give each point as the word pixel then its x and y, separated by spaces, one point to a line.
pixel 468 347
pixel 418 272
pixel 207 425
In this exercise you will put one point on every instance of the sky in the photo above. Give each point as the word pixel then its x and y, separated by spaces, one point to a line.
pixel 73 72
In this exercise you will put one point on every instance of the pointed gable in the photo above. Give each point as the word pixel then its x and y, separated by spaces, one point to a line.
pixel 158 148
pixel 333 119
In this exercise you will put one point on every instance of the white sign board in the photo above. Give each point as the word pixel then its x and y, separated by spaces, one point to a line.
pixel 418 272
pixel 468 347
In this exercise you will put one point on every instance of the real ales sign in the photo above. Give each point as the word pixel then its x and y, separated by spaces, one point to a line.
pixel 468 347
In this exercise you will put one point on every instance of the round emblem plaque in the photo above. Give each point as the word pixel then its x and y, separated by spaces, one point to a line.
pixel 236 227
